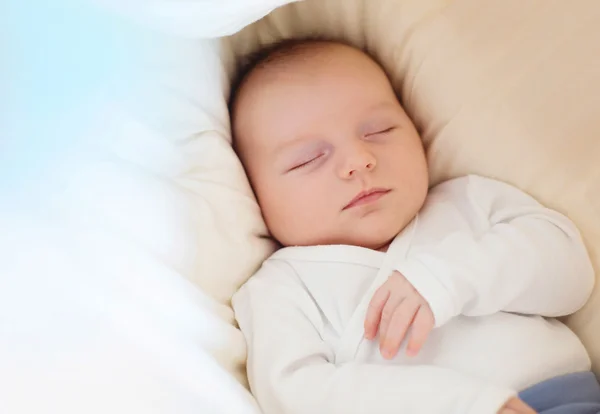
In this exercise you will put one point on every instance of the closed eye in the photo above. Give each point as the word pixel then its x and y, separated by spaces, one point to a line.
pixel 305 163
pixel 382 132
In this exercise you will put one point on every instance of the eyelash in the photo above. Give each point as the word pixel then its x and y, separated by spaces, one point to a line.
pixel 304 164
pixel 384 131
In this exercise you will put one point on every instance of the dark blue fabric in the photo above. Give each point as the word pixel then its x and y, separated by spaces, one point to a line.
pixel 577 393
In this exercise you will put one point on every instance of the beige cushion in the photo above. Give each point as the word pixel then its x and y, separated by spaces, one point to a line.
pixel 507 89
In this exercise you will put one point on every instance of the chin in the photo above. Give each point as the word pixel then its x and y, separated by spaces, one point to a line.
pixel 375 240
pixel 376 235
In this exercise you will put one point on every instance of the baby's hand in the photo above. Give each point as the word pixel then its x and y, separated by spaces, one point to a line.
pixel 516 406
pixel 395 307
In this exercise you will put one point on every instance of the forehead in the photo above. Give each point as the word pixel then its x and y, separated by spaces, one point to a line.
pixel 309 93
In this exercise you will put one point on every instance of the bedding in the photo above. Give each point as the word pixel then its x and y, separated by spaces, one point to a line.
pixel 119 262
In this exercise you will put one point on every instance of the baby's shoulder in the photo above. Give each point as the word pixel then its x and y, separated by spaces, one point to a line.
pixel 274 276
pixel 467 203
pixel 473 183
pixel 475 192
pixel 302 267
pixel 465 184
pixel 272 271
pixel 274 287
pixel 454 194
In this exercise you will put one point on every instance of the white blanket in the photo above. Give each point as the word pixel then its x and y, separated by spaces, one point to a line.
pixel 116 238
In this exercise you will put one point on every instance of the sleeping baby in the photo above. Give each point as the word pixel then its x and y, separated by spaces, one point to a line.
pixel 388 296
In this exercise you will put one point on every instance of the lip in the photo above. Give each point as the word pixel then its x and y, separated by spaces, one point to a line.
pixel 366 197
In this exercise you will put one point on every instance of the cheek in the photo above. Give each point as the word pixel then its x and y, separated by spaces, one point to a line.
pixel 307 194
pixel 293 199
pixel 410 152
pixel 407 167
pixel 296 211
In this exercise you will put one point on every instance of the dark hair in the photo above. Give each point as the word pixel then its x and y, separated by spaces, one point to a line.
pixel 267 55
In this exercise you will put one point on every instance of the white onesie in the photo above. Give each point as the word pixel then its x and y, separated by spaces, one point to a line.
pixel 492 263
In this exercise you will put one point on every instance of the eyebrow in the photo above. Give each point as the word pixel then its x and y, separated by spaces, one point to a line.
pixel 380 105
pixel 385 105
pixel 287 144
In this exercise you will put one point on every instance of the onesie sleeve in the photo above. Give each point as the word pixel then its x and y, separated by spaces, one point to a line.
pixel 291 368
pixel 512 254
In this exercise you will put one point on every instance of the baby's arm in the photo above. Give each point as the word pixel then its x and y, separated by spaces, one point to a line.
pixel 515 256
pixel 292 371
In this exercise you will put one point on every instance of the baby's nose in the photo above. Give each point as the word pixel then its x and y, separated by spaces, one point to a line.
pixel 359 161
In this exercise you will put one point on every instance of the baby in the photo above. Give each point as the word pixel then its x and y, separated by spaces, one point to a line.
pixel 389 297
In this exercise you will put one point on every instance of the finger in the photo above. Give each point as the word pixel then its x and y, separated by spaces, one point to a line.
pixel 374 310
pixel 519 406
pixel 421 326
pixel 396 330
pixel 508 411
pixel 393 302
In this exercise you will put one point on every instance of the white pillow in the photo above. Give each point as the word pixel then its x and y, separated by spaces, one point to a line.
pixel 118 265
pixel 503 89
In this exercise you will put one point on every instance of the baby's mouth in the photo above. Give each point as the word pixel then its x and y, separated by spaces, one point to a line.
pixel 367 197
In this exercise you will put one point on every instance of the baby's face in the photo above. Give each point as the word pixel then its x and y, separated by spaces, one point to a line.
pixel 331 154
